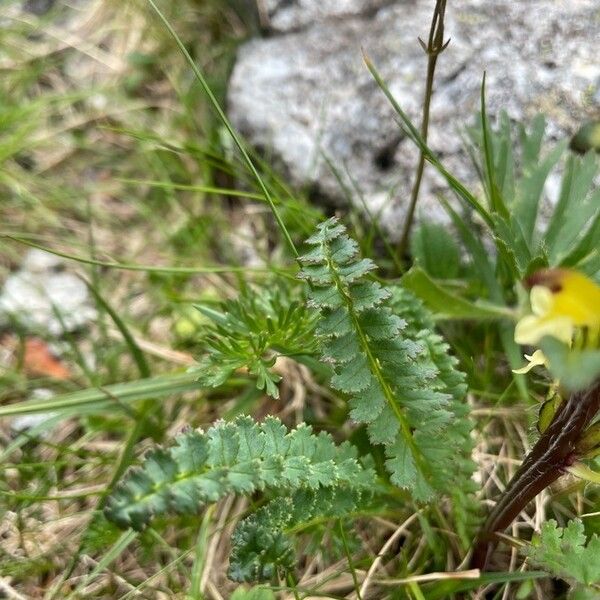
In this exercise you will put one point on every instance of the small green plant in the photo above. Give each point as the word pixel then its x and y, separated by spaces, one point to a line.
pixel 333 423
pixel 309 475
pixel 240 457
pixel 251 332
pixel 566 553
pixel 390 375
pixel 384 355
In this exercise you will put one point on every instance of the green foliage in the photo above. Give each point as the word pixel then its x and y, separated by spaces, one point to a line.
pixel 255 593
pixel 378 340
pixel 394 385
pixel 435 250
pixel 564 553
pixel 519 173
pixel 445 303
pixel 260 545
pixel 251 332
pixel 420 326
pixel 240 457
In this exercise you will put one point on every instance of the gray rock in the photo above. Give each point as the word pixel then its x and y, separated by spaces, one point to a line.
pixel 33 295
pixel 292 15
pixel 307 101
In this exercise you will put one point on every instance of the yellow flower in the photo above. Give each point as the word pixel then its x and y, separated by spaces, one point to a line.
pixel 561 301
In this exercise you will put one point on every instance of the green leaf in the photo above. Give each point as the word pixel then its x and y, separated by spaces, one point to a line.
pixel 402 465
pixel 107 398
pixel 261 545
pixel 446 304
pixel 354 377
pixel 497 203
pixel 403 385
pixel 435 250
pixel 251 331
pixel 341 349
pixel 380 324
pixel 240 457
pixel 369 294
pixel 531 143
pixel 530 189
pixel 255 593
pixel 576 207
pixel 565 553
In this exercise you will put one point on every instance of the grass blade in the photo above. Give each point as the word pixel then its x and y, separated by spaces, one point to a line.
pixel 108 396
pixel 195 592
pixel 134 349
pixel 415 136
pixel 496 201
pixel 234 136
pixel 145 268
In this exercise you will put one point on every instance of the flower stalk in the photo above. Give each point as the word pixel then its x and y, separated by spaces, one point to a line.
pixel 434 47
pixel 565 305
pixel 557 449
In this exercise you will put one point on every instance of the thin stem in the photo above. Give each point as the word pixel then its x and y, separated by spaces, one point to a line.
pixel 349 557
pixel 291 582
pixel 553 453
pixel 135 267
pixel 435 46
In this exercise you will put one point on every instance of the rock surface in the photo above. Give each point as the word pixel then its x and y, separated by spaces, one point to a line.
pixel 33 295
pixel 291 15
pixel 305 98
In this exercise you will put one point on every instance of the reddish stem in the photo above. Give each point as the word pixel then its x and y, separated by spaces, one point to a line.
pixel 553 452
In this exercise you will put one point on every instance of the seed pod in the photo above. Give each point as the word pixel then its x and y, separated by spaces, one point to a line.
pixel 587 138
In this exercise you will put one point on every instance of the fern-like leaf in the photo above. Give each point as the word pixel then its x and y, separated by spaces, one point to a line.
pixel 240 457
pixel 400 379
pixel 250 332
pixel 261 547
pixel 460 486
pixel 565 554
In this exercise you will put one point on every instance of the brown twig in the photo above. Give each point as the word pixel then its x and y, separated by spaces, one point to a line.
pixel 435 46
pixel 551 455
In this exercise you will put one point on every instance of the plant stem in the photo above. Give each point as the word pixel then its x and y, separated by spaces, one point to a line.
pixel 435 46
pixel 349 557
pixel 547 461
pixel 292 584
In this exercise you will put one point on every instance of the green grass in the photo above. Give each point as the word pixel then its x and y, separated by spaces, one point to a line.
pixel 113 157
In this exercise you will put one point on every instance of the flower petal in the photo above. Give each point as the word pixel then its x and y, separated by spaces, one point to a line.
pixel 541 299
pixel 535 360
pixel 579 297
pixel 531 329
